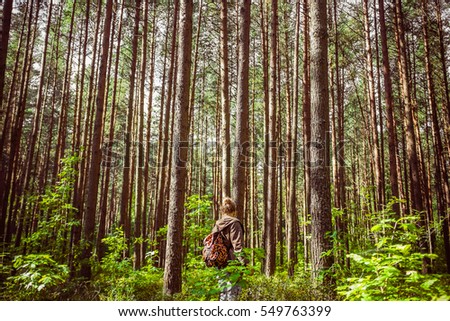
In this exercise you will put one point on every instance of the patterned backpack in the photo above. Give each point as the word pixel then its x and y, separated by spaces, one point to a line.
pixel 215 250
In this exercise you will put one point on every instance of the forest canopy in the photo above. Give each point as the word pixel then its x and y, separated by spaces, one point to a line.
pixel 124 124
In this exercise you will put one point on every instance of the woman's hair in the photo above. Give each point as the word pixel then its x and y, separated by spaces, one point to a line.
pixel 228 207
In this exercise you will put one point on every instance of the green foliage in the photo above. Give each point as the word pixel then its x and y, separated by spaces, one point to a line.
pixel 5 268
pixel 392 269
pixel 388 269
pixel 199 282
pixel 35 277
pixel 199 207
pixel 202 283
pixel 198 222
pixel 116 280
pixel 113 264
pixel 59 214
pixel 281 287
pixel 130 285
pixel 394 277
pixel 40 276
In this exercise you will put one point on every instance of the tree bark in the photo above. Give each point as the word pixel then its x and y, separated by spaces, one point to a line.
pixel 62 124
pixel 4 41
pixel 101 248
pixel 125 219
pixel 379 188
pixel 161 209
pixel 265 67
pixel 225 100
pixel 392 141
pixel 443 60
pixel 411 141
pixel 173 261
pixel 139 256
pixel 319 145
pixel 270 214
pixel 85 153
pixel 306 122
pixel 292 221
pixel 411 147
pixel 94 169
pixel 441 176
pixel 17 125
pixel 242 144
pixel 147 194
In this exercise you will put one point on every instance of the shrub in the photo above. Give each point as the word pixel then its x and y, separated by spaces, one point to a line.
pixel 392 270
pixel 116 279
pixel 37 277
pixel 281 287
pixel 203 283
pixel 200 283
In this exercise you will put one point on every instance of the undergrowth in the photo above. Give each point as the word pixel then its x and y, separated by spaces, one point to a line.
pixel 389 268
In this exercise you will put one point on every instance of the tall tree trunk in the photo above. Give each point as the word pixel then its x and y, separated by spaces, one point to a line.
pixel 17 125
pixel 85 152
pixel 76 230
pixel 441 176
pixel 292 221
pixel 411 146
pixel 62 124
pixel 265 67
pixel 101 248
pixel 270 214
pixel 4 41
pixel 94 169
pixel 319 146
pixel 125 219
pixel 443 60
pixel 195 62
pixel 306 122
pixel 147 194
pixel 379 188
pixel 5 128
pixel 173 261
pixel 161 209
pixel 392 141
pixel 242 144
pixel 139 256
pixel 225 100
pixel 379 106
pixel 411 140
pixel 30 160
pixel 339 152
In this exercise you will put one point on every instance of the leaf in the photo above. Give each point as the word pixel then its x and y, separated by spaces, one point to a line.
pixel 390 271
pixel 376 228
pixel 403 248
pixel 356 257
pixel 413 276
pixel 382 242
pixel 427 284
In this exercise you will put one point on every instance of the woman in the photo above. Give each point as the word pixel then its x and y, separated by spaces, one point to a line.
pixel 233 230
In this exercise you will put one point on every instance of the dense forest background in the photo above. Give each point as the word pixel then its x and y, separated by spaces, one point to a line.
pixel 123 124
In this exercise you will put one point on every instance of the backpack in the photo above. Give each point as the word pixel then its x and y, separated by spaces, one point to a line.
pixel 215 250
